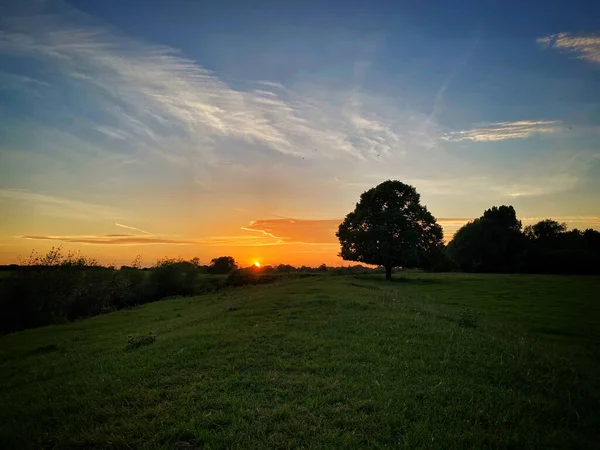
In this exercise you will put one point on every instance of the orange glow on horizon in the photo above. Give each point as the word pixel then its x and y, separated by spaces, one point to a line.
pixel 259 243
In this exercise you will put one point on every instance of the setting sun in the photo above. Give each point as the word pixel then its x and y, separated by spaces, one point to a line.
pixel 256 264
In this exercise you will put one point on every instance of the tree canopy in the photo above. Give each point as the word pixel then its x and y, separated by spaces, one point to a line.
pixel 222 265
pixel 545 230
pixel 490 243
pixel 389 227
pixel 495 243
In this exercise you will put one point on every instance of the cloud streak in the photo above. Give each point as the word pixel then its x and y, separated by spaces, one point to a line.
pixel 130 239
pixel 133 228
pixel 116 239
pixel 109 240
pixel 60 206
pixel 500 131
pixel 288 230
pixel 587 47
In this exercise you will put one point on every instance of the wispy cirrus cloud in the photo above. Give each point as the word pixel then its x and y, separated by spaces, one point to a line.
pixel 587 47
pixel 170 105
pixel 51 205
pixel 133 228
pixel 500 131
pixel 289 230
pixel 110 239
pixel 125 239
pixel 519 185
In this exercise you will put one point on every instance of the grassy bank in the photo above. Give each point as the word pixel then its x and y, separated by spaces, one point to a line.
pixel 318 362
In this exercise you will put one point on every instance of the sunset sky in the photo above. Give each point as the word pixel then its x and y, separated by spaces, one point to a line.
pixel 250 128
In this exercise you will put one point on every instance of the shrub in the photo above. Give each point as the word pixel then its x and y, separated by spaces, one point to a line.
pixel 134 342
pixel 172 277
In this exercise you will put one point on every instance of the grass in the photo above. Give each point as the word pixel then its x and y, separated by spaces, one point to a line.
pixel 318 362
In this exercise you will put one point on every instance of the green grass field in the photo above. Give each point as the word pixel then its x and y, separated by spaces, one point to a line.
pixel 319 362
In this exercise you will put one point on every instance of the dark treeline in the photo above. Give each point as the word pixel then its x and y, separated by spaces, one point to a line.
pixel 498 242
pixel 59 287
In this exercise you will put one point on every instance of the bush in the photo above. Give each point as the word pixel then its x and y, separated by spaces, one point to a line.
pixel 172 277
pixel 134 342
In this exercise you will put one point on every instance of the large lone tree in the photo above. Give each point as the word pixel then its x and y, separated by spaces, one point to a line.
pixel 389 227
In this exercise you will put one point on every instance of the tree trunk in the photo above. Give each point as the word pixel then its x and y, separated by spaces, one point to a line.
pixel 388 273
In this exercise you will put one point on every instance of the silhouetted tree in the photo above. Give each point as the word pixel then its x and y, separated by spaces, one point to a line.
pixel 495 243
pixel 491 243
pixel 285 268
pixel 195 261
pixel 503 216
pixel 553 249
pixel 222 265
pixel 389 227
pixel 546 231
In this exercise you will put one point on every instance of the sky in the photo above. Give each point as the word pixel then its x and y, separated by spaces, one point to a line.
pixel 182 128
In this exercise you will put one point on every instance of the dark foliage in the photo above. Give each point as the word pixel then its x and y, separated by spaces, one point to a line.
pixel 553 249
pixel 222 265
pixel 285 268
pixel 489 244
pixel 495 243
pixel 389 227
pixel 61 287
pixel 172 277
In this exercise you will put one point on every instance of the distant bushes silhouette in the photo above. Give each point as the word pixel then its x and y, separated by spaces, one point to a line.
pixel 171 277
pixel 59 287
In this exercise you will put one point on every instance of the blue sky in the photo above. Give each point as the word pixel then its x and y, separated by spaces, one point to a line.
pixel 199 122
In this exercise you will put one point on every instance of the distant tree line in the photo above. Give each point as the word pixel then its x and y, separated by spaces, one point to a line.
pixel 497 242
pixel 60 287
